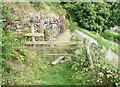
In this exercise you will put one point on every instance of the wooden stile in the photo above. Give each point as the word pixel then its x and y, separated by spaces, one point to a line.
pixel 59 54
pixel 54 42
pixel 34 34
pixel 57 60
pixel 66 48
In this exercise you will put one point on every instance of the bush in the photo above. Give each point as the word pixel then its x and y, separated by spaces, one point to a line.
pixel 110 35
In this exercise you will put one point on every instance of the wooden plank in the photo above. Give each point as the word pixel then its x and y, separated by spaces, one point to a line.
pixel 34 34
pixel 57 60
pixel 62 61
pixel 67 48
pixel 59 54
pixel 54 42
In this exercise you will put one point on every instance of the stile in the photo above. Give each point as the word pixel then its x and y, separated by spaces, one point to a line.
pixel 59 54
pixel 34 34
pixel 67 48
pixel 54 42
pixel 57 60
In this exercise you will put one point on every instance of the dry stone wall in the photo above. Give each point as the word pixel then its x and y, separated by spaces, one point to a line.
pixel 50 21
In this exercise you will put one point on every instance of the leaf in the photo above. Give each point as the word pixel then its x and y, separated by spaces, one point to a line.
pixel 77 52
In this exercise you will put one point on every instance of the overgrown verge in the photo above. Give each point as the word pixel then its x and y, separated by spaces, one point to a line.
pixel 11 43
pixel 104 42
pixel 104 73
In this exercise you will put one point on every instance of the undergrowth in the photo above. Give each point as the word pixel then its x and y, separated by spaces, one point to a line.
pixel 104 72
pixel 11 43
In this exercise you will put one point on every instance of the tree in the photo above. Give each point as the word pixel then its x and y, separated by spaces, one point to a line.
pixel 93 16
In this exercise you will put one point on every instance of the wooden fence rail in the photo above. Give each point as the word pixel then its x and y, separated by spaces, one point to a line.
pixel 54 42
pixel 59 54
pixel 66 48
pixel 34 34
pixel 34 43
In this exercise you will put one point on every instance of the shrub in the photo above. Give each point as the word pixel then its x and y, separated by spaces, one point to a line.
pixel 105 73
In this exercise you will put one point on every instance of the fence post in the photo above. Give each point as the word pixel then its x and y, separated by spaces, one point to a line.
pixel 33 31
pixel 85 41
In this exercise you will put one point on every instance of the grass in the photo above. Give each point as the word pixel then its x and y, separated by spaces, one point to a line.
pixel 39 71
pixel 104 42
pixel 58 75
pixel 56 7
pixel 109 35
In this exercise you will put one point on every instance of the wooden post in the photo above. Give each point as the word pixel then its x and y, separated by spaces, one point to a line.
pixel 42 28
pixel 88 53
pixel 33 31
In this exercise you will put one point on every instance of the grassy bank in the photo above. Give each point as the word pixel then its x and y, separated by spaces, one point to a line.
pixel 109 35
pixel 104 42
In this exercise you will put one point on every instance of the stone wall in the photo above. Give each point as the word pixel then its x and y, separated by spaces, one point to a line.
pixel 53 22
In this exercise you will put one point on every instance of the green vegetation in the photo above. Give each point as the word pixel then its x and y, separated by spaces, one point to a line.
pixel 39 71
pixel 113 46
pixel 94 16
pixel 56 7
pixel 104 74
pixel 38 5
pixel 29 67
pixel 11 43
pixel 109 35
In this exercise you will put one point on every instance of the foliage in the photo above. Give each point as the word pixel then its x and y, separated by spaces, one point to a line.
pixel 11 43
pixel 80 60
pixel 72 24
pixel 105 73
pixel 115 14
pixel 37 68
pixel 110 35
pixel 46 32
pixel 56 7
pixel 92 16
pixel 38 5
